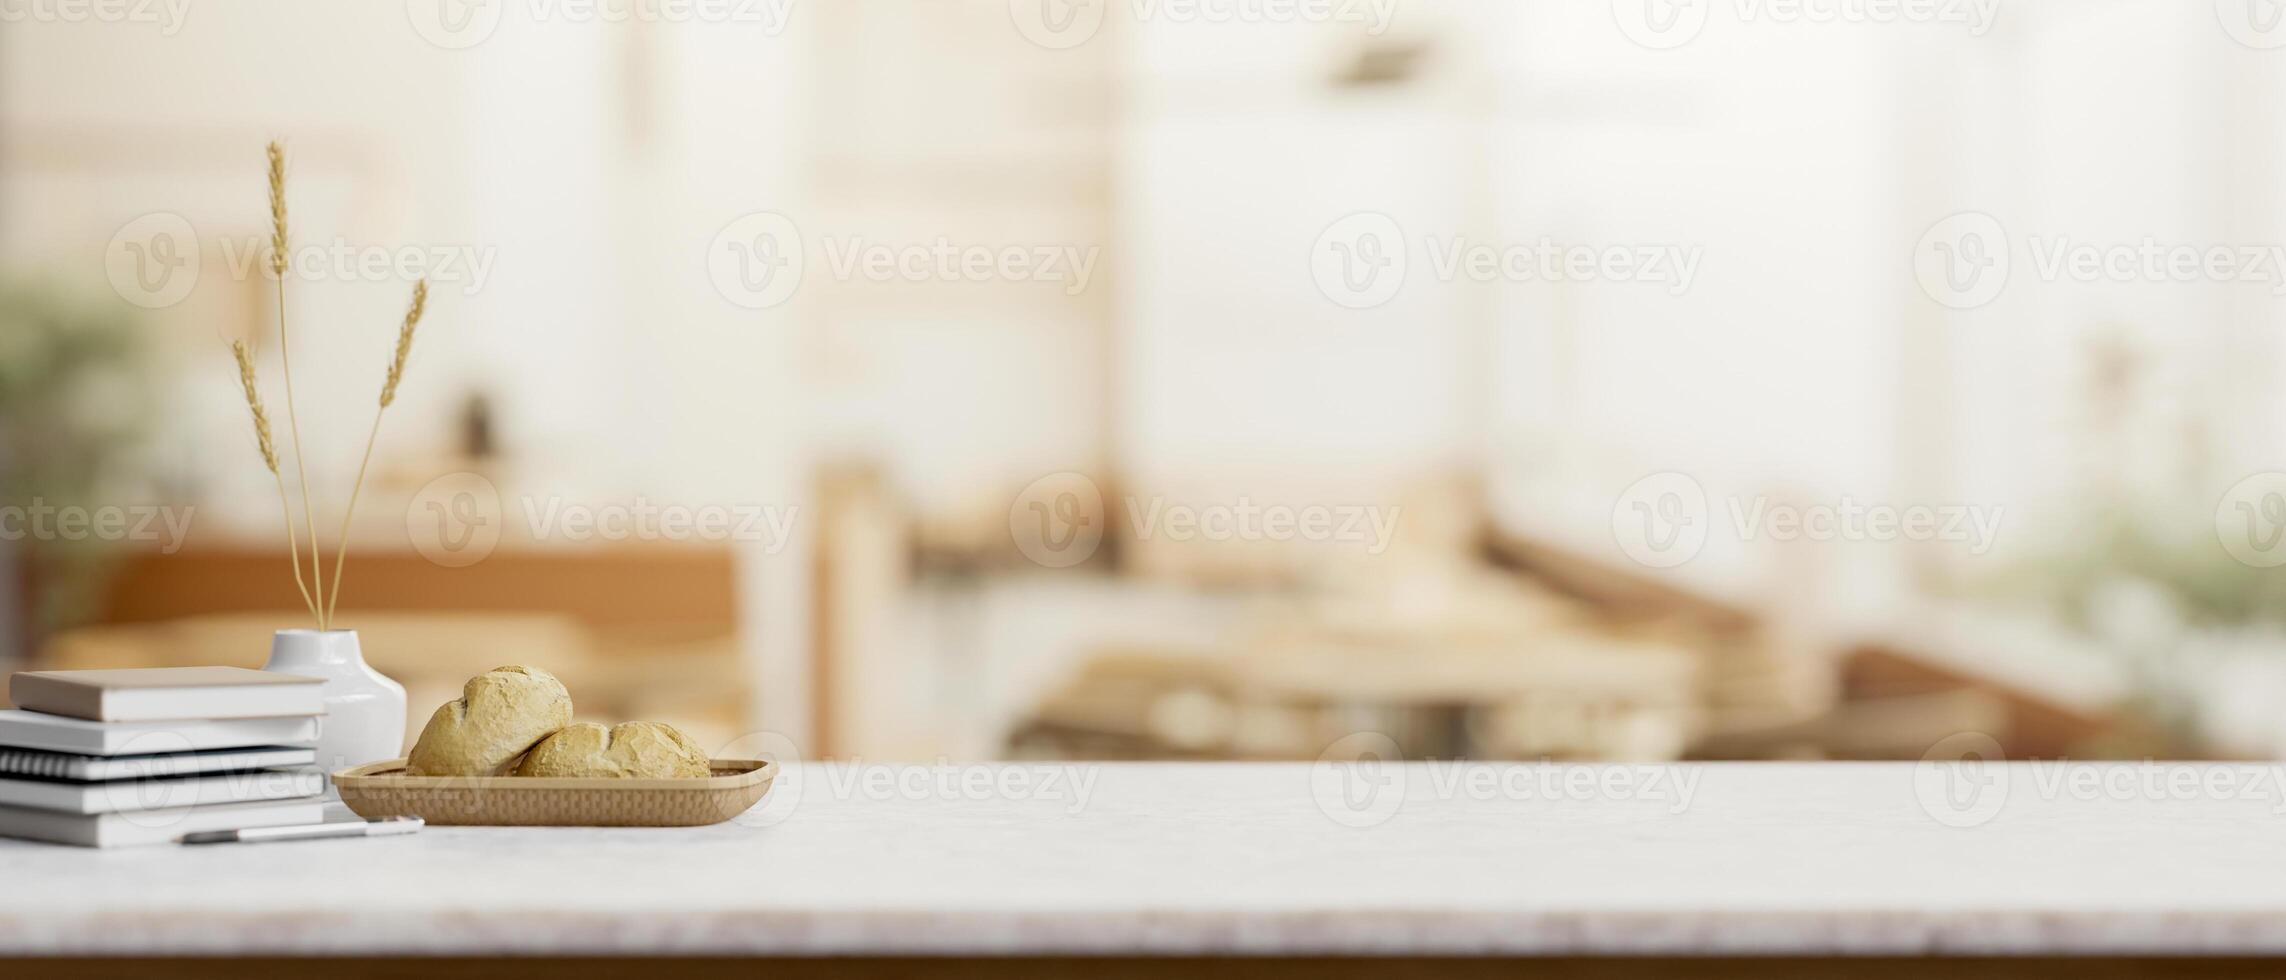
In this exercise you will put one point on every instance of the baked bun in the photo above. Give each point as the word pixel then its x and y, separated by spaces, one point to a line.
pixel 634 750
pixel 500 715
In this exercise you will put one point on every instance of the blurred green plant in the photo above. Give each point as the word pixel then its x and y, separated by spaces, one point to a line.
pixel 2122 543
pixel 75 406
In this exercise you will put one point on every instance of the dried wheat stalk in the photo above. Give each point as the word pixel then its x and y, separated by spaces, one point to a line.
pixel 269 450
pixel 321 605
pixel 388 396
pixel 285 357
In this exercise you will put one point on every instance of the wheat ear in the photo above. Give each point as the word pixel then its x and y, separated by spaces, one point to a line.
pixel 285 358
pixel 269 450
pixel 388 396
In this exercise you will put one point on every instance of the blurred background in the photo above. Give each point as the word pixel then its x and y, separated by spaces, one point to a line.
pixel 972 379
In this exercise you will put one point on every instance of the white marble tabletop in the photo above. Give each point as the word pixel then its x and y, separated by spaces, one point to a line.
pixel 1294 859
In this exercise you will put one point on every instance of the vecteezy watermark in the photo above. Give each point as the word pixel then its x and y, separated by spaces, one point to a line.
pixel 1061 24
pixel 1361 261
pixel 1067 787
pixel 1664 24
pixel 1362 780
pixel 457 520
pixel 1964 261
pixel 2255 23
pixel 554 519
pixel 168 15
pixel 1359 780
pixel 155 260
pixel 943 260
pixel 44 521
pixel 1664 519
pixel 1962 781
pixel 1069 784
pixel 1058 521
pixel 1965 780
pixel 2250 520
pixel 757 261
pixel 459 24
pixel 153 803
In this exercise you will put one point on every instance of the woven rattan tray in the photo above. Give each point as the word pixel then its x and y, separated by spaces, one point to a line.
pixel 382 789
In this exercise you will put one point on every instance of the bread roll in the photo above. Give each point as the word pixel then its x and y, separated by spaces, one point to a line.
pixel 500 715
pixel 634 750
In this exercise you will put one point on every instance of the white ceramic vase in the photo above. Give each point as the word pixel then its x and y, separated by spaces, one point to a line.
pixel 365 712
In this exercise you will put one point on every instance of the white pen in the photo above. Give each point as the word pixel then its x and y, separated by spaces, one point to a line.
pixel 384 827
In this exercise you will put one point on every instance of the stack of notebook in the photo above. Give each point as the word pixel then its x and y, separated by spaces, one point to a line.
pixel 110 758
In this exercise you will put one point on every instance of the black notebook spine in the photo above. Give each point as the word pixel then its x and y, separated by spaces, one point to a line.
pixel 46 765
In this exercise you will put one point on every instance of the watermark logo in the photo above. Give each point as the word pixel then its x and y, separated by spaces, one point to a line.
pixel 1369 526
pixel 1057 24
pixel 1661 520
pixel 2258 24
pixel 1962 260
pixel 1359 261
pixel 943 260
pixel 1058 520
pixel 1962 781
pixel 1456 258
pixel 759 261
pixel 643 519
pixel 167 14
pixel 454 24
pixel 1070 785
pixel 1359 780
pixel 143 523
pixel 154 260
pixel 1362 780
pixel 455 521
pixel 1660 24
pixel 1068 788
pixel 2250 520
pixel 786 788
pixel 756 261
pixel 163 803
pixel 340 260
pixel 1665 24
pixel 1062 24
pixel 458 24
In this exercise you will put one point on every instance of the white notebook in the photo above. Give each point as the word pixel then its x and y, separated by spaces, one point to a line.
pixel 55 733
pixel 120 795
pixel 137 827
pixel 64 765
pixel 161 693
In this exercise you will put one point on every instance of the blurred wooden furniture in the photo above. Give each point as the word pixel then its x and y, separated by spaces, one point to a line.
pixel 683 589
pixel 636 633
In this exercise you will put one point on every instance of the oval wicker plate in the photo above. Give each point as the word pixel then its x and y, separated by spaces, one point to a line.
pixel 381 789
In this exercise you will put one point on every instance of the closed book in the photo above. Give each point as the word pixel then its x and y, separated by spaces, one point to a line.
pixel 138 827
pixel 167 693
pixel 56 733
pixel 65 765
pixel 120 795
